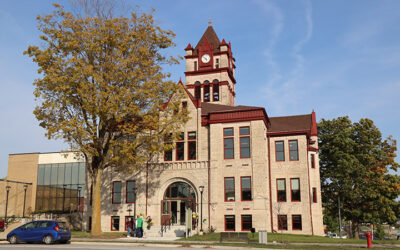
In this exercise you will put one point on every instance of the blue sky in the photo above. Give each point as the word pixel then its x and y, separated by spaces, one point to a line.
pixel 336 57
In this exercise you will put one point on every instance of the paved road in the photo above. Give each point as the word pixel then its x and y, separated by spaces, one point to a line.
pixel 109 246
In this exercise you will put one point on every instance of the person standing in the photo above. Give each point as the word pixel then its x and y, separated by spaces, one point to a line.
pixel 140 226
pixel 129 226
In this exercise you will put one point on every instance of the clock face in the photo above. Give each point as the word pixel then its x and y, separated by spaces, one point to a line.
pixel 205 58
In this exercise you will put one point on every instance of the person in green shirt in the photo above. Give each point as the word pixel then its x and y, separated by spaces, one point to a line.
pixel 139 226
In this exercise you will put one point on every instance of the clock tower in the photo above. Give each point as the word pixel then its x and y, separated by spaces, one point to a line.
pixel 210 70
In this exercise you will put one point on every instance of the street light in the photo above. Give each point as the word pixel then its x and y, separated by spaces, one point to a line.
pixel 79 198
pixel 8 191
pixel 23 211
pixel 201 188
pixel 134 208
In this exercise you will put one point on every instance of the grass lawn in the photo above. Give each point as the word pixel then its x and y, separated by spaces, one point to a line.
pixel 107 235
pixel 289 238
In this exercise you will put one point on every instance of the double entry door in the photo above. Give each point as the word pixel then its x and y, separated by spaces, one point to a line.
pixel 173 212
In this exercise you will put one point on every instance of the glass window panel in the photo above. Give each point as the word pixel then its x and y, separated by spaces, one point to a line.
pixel 244 130
pixel 228 131
pixel 82 173
pixel 192 135
pixel 245 142
pixel 192 150
pixel 228 153
pixel 228 143
pixel 229 183
pixel 174 191
pixel 281 185
pixel 41 170
pixel 230 222
pixel 246 182
pixel 75 174
pixel 117 192
pixel 54 172
pixel 130 191
pixel 282 222
pixel 295 184
pixel 296 220
pixel 47 174
pixel 279 145
pixel 293 145
pixel 247 222
pixel 60 175
pixel 68 173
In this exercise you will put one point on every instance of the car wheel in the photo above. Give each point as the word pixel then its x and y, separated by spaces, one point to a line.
pixel 13 239
pixel 48 239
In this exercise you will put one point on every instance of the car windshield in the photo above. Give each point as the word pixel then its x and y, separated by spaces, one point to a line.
pixel 62 225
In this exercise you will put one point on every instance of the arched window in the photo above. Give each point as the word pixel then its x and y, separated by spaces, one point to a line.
pixel 197 90
pixel 206 91
pixel 179 190
pixel 215 90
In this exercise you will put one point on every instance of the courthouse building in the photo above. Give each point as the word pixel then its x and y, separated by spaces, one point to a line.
pixel 234 166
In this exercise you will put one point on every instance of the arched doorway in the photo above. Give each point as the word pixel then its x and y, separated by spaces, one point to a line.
pixel 178 199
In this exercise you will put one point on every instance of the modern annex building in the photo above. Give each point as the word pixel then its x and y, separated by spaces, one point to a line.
pixel 234 166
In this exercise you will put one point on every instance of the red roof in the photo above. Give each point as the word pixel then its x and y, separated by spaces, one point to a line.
pixel 290 123
pixel 211 37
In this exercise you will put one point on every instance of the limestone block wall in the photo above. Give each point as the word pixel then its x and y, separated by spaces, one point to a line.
pixel 254 167
pixel 287 169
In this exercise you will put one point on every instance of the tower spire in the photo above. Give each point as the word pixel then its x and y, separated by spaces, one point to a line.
pixel 209 22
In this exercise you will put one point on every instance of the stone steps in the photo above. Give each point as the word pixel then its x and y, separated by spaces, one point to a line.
pixel 170 232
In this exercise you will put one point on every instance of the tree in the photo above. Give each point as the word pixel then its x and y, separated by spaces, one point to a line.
pixel 355 163
pixel 102 87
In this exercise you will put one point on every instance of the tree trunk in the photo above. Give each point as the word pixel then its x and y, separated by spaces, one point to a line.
pixel 355 229
pixel 96 203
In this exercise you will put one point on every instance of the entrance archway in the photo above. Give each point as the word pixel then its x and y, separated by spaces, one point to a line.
pixel 179 197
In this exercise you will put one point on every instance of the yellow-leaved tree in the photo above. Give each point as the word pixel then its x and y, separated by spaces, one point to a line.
pixel 101 89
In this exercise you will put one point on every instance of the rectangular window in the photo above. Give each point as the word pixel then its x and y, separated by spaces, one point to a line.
pixel 312 161
pixel 247 222
pixel 281 188
pixel 245 184
pixel 114 223
pixel 296 222
pixel 130 192
pixel 229 223
pixel 180 151
pixel 293 150
pixel 206 93
pixel 279 151
pixel 116 192
pixel 282 222
pixel 228 143
pixel 195 65
pixel 184 105
pixel 192 145
pixel 295 189
pixel 229 185
pixel 217 63
pixel 244 142
pixel 216 92
pixel 168 153
pixel 314 195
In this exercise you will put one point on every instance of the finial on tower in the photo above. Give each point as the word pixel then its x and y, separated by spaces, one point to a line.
pixel 209 22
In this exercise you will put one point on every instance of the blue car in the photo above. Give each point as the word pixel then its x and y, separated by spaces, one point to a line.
pixel 46 231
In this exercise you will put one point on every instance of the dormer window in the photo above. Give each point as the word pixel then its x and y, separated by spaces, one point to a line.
pixel 217 63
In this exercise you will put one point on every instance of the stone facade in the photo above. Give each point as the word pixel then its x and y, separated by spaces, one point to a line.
pixel 237 156
pixel 209 117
